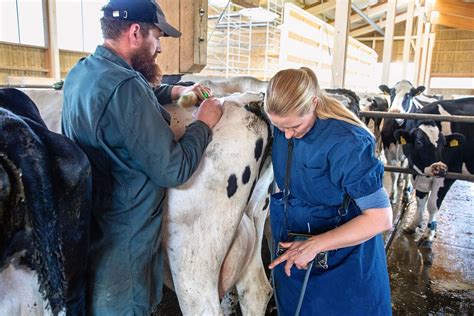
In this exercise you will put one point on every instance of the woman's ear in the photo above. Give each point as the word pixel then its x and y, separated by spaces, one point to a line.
pixel 315 102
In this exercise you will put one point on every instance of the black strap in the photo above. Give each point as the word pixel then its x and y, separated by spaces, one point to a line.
pixel 286 189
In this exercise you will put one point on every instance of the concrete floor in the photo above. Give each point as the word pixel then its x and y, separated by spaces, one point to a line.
pixel 436 282
pixel 439 281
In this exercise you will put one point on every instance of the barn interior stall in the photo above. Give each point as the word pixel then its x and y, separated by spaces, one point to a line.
pixel 354 44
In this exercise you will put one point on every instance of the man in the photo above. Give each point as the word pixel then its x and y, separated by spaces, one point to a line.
pixel 112 112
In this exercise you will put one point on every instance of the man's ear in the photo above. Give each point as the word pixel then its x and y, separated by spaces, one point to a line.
pixel 403 137
pixel 134 33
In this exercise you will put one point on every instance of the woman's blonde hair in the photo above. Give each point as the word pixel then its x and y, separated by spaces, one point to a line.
pixel 291 91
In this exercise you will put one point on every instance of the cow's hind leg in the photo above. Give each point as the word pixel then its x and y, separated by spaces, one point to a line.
pixel 253 286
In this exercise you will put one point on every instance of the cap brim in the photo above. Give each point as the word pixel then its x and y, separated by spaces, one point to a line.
pixel 168 30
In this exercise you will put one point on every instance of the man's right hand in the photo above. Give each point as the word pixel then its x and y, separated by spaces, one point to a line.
pixel 210 111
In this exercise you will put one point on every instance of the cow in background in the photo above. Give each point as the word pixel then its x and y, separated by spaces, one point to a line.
pixel 403 99
pixel 213 224
pixel 432 149
pixel 45 203
pixel 347 97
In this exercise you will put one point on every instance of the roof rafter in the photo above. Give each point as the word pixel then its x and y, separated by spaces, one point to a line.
pixel 320 8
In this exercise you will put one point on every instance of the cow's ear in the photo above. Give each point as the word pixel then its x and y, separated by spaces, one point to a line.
pixel 403 137
pixel 417 91
pixel 384 88
pixel 455 140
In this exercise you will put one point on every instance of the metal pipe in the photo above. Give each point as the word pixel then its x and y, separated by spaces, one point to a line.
pixel 449 175
pixel 367 19
pixel 419 116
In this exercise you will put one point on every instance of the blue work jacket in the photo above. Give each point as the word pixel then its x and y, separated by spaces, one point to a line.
pixel 334 158
pixel 114 115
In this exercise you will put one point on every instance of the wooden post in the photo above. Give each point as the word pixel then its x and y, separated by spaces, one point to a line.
pixel 343 10
pixel 51 36
pixel 428 63
pixel 408 33
pixel 419 39
pixel 424 53
pixel 388 41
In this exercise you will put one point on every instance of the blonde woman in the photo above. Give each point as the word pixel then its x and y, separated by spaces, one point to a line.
pixel 328 217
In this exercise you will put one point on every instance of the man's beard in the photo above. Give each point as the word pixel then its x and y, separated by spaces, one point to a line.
pixel 145 63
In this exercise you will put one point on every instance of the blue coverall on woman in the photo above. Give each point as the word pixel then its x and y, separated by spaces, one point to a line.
pixel 334 158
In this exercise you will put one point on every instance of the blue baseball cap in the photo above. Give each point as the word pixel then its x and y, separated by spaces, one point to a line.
pixel 147 11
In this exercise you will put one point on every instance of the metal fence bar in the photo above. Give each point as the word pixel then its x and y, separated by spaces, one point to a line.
pixel 449 175
pixel 418 116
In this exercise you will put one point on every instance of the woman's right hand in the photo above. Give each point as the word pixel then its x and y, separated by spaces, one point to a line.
pixel 298 253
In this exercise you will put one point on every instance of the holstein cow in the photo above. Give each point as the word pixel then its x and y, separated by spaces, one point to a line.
pixel 432 149
pixel 227 86
pixel 45 202
pixel 347 97
pixel 373 102
pixel 213 224
pixel 403 99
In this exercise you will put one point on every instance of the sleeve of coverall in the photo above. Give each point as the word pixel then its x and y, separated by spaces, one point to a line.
pixel 149 140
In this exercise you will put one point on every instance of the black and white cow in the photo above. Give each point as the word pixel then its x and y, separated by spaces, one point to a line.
pixel 213 224
pixel 45 202
pixel 403 99
pixel 347 97
pixel 432 149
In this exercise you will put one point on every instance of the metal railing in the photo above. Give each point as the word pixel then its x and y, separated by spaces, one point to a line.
pixel 427 117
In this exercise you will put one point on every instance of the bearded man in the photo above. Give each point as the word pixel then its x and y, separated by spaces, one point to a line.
pixel 112 110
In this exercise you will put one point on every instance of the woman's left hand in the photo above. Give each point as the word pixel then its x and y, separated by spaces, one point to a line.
pixel 298 253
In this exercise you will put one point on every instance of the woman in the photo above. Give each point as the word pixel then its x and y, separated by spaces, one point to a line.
pixel 335 194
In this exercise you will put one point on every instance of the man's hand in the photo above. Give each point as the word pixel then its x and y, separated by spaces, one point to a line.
pixel 199 90
pixel 210 111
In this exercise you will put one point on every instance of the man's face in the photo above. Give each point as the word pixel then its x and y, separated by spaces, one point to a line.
pixel 144 59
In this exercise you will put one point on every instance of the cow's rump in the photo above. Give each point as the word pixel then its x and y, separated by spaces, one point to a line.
pixel 45 208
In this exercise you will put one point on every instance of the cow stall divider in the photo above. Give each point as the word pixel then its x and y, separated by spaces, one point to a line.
pixel 449 175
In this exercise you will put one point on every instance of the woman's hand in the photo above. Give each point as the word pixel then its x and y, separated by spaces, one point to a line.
pixel 298 253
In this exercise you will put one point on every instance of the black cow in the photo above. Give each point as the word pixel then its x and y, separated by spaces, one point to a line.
pixel 432 149
pixel 403 99
pixel 45 203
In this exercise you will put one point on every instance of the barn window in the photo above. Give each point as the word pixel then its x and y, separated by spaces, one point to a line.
pixel 22 22
pixel 78 24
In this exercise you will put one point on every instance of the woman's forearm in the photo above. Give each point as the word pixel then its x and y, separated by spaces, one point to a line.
pixel 361 228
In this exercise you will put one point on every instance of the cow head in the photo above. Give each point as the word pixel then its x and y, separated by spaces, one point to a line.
pixel 428 150
pixel 401 97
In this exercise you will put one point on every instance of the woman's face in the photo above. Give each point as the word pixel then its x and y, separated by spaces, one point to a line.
pixel 293 125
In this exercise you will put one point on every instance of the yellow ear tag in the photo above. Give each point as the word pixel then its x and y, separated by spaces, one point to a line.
pixel 403 140
pixel 454 143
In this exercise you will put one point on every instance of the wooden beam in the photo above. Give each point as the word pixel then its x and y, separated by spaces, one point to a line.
pixel 367 29
pixel 428 62
pixel 388 41
pixel 424 53
pixel 419 39
pixel 455 7
pixel 338 68
pixel 246 3
pixel 318 9
pixel 455 21
pixel 371 12
pixel 51 36
pixel 408 33
pixel 452 75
